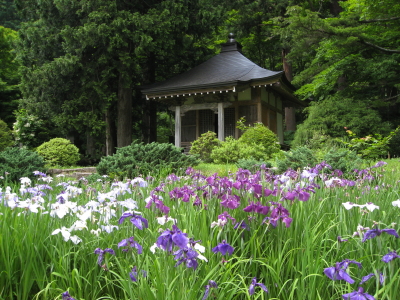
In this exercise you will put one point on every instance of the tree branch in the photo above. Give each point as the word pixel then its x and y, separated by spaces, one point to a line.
pixel 379 20
pixel 379 48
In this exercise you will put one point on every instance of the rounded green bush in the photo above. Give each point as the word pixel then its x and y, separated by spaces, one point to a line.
pixel 231 150
pixel 141 159
pixel 19 162
pixel 59 152
pixel 261 135
pixel 6 139
pixel 204 145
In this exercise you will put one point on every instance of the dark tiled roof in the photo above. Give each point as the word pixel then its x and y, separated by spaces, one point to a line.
pixel 228 67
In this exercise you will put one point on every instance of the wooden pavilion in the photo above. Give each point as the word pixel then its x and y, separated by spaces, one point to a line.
pixel 216 94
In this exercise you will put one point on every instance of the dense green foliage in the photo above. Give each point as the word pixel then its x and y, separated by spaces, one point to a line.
pixel 252 164
pixel 141 159
pixel 6 138
pixel 19 162
pixel 204 145
pixel 343 159
pixel 297 158
pixel 371 147
pixel 332 115
pixel 8 14
pixel 352 65
pixel 83 62
pixel 59 152
pixel 9 77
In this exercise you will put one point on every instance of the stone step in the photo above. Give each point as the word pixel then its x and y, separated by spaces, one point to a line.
pixel 71 171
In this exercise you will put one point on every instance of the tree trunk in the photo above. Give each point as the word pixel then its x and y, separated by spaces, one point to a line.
pixel 124 109
pixel 110 134
pixel 287 66
pixel 149 106
pixel 290 112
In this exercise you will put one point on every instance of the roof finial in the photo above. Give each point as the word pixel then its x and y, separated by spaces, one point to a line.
pixel 231 38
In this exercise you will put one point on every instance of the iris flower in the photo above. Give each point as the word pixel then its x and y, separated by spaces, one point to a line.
pixel 223 248
pixel 101 253
pixel 254 283
pixel 358 295
pixel 211 284
pixel 376 232
pixel 390 256
pixel 130 242
pixel 133 274
pixel 169 238
pixel 136 219
pixel 188 256
pixel 66 296
pixel 338 272
pixel 367 277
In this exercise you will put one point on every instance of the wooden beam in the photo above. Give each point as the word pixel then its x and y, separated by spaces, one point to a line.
pixel 177 126
pixel 221 125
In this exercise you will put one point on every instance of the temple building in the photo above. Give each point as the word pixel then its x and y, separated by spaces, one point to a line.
pixel 214 95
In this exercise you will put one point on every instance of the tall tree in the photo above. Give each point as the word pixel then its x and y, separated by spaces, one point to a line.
pixel 355 57
pixel 83 60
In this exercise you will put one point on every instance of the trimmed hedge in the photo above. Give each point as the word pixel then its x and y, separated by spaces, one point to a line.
pixel 141 159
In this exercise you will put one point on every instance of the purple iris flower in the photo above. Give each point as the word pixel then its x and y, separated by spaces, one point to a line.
pixel 130 242
pixel 101 253
pixel 223 248
pixel 242 225
pixel 367 277
pixel 136 220
pixel 211 284
pixel 169 238
pixel 390 256
pixel 254 283
pixel 376 232
pixel 188 256
pixel 66 296
pixel 133 274
pixel 338 272
pixel 279 212
pixel 358 295
pixel 257 207
pixel 225 216
pixel 230 201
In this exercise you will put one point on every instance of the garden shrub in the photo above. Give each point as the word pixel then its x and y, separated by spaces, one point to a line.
pixel 371 147
pixel 143 159
pixel 343 159
pixel 59 152
pixel 297 158
pixel 252 164
pixel 204 145
pixel 231 150
pixel 6 139
pixel 20 162
pixel 260 135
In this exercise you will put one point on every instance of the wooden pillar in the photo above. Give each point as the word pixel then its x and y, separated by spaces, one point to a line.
pixel 178 126
pixel 290 118
pixel 221 128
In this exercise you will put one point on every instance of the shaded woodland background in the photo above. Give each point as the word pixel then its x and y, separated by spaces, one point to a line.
pixel 73 68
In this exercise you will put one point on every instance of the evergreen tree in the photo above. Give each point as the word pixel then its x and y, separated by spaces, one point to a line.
pixel 84 60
